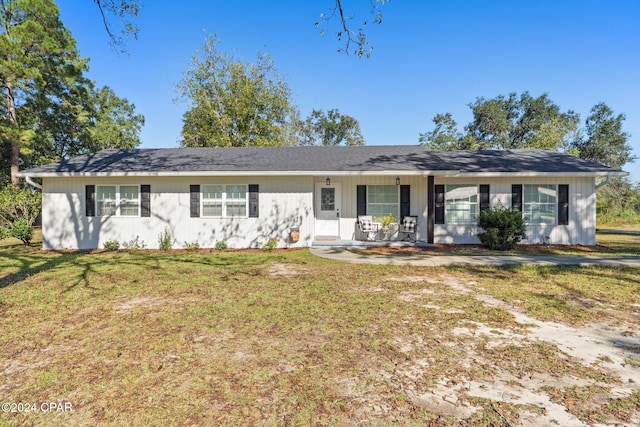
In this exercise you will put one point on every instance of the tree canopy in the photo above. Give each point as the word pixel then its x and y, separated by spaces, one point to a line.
pixel 236 104
pixel 507 122
pixel 604 139
pixel 49 110
pixel 331 128
pixel 524 121
pixel 233 104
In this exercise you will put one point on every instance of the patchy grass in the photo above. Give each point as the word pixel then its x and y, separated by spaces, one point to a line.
pixel 284 338
pixel 608 245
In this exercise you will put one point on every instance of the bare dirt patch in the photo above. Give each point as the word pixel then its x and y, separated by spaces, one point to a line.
pixel 282 269
pixel 602 355
pixel 138 302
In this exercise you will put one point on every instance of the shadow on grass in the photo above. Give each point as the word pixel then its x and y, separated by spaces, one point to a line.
pixel 30 261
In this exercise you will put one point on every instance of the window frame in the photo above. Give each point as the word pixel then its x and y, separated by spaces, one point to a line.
pixel 472 215
pixel 224 200
pixel 118 201
pixel 526 210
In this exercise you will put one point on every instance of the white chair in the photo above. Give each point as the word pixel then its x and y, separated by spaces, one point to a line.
pixel 368 228
pixel 408 227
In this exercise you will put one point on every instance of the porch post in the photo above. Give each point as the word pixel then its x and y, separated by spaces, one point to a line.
pixel 431 208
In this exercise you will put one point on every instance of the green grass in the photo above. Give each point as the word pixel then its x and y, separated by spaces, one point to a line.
pixel 223 338
pixel 608 245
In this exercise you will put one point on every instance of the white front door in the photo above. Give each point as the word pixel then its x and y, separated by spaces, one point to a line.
pixel 328 209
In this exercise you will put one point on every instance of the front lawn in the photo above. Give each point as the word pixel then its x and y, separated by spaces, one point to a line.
pixel 285 338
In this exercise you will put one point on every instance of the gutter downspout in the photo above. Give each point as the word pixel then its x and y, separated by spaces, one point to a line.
pixel 32 183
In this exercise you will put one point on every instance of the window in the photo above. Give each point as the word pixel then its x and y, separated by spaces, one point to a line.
pixel 129 200
pixel 224 200
pixel 122 200
pixel 383 200
pixel 327 199
pixel 461 204
pixel 539 203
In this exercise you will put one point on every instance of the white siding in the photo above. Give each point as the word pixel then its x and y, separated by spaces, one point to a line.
pixel 582 212
pixel 283 203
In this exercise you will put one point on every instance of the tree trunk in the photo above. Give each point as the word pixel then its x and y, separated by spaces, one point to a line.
pixel 15 145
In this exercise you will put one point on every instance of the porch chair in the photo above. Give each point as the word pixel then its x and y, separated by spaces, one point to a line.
pixel 368 228
pixel 408 227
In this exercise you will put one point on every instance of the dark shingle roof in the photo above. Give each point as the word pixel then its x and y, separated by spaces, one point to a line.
pixel 393 158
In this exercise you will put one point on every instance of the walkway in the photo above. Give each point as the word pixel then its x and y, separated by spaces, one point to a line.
pixel 342 254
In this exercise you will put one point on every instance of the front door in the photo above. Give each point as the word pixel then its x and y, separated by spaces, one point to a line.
pixel 328 209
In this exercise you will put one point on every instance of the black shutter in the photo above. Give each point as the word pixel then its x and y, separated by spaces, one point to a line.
pixel 195 200
pixel 516 197
pixel 254 191
pixel 439 204
pixel 405 201
pixel 361 195
pixel 484 197
pixel 145 200
pixel 563 204
pixel 90 200
pixel 431 215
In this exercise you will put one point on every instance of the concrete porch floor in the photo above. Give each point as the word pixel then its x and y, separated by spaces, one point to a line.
pixel 331 241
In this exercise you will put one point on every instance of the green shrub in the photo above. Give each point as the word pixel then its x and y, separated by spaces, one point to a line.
pixel 503 228
pixel 271 244
pixel 135 244
pixel 165 240
pixel 18 211
pixel 221 245
pixel 112 245
pixel 192 246
pixel 20 229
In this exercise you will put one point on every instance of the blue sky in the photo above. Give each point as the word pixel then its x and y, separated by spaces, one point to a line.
pixel 429 57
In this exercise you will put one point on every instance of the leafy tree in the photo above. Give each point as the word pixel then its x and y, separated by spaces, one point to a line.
pixel 18 211
pixel 521 122
pixel 331 128
pixel 605 141
pixel 235 104
pixel 35 51
pixel 618 201
pixel 115 123
pixel 445 135
pixel 49 110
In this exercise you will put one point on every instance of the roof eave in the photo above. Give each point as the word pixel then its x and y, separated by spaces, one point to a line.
pixel 444 173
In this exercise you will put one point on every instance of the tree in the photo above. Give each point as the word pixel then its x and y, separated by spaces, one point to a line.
pixel 35 49
pixel 521 122
pixel 507 122
pixel 18 211
pixel 50 111
pixel 445 135
pixel 605 141
pixel 331 128
pixel 115 123
pixel 235 104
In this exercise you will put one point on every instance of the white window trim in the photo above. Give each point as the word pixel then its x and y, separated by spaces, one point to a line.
pixel 118 199
pixel 224 201
pixel 554 204
pixel 476 203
